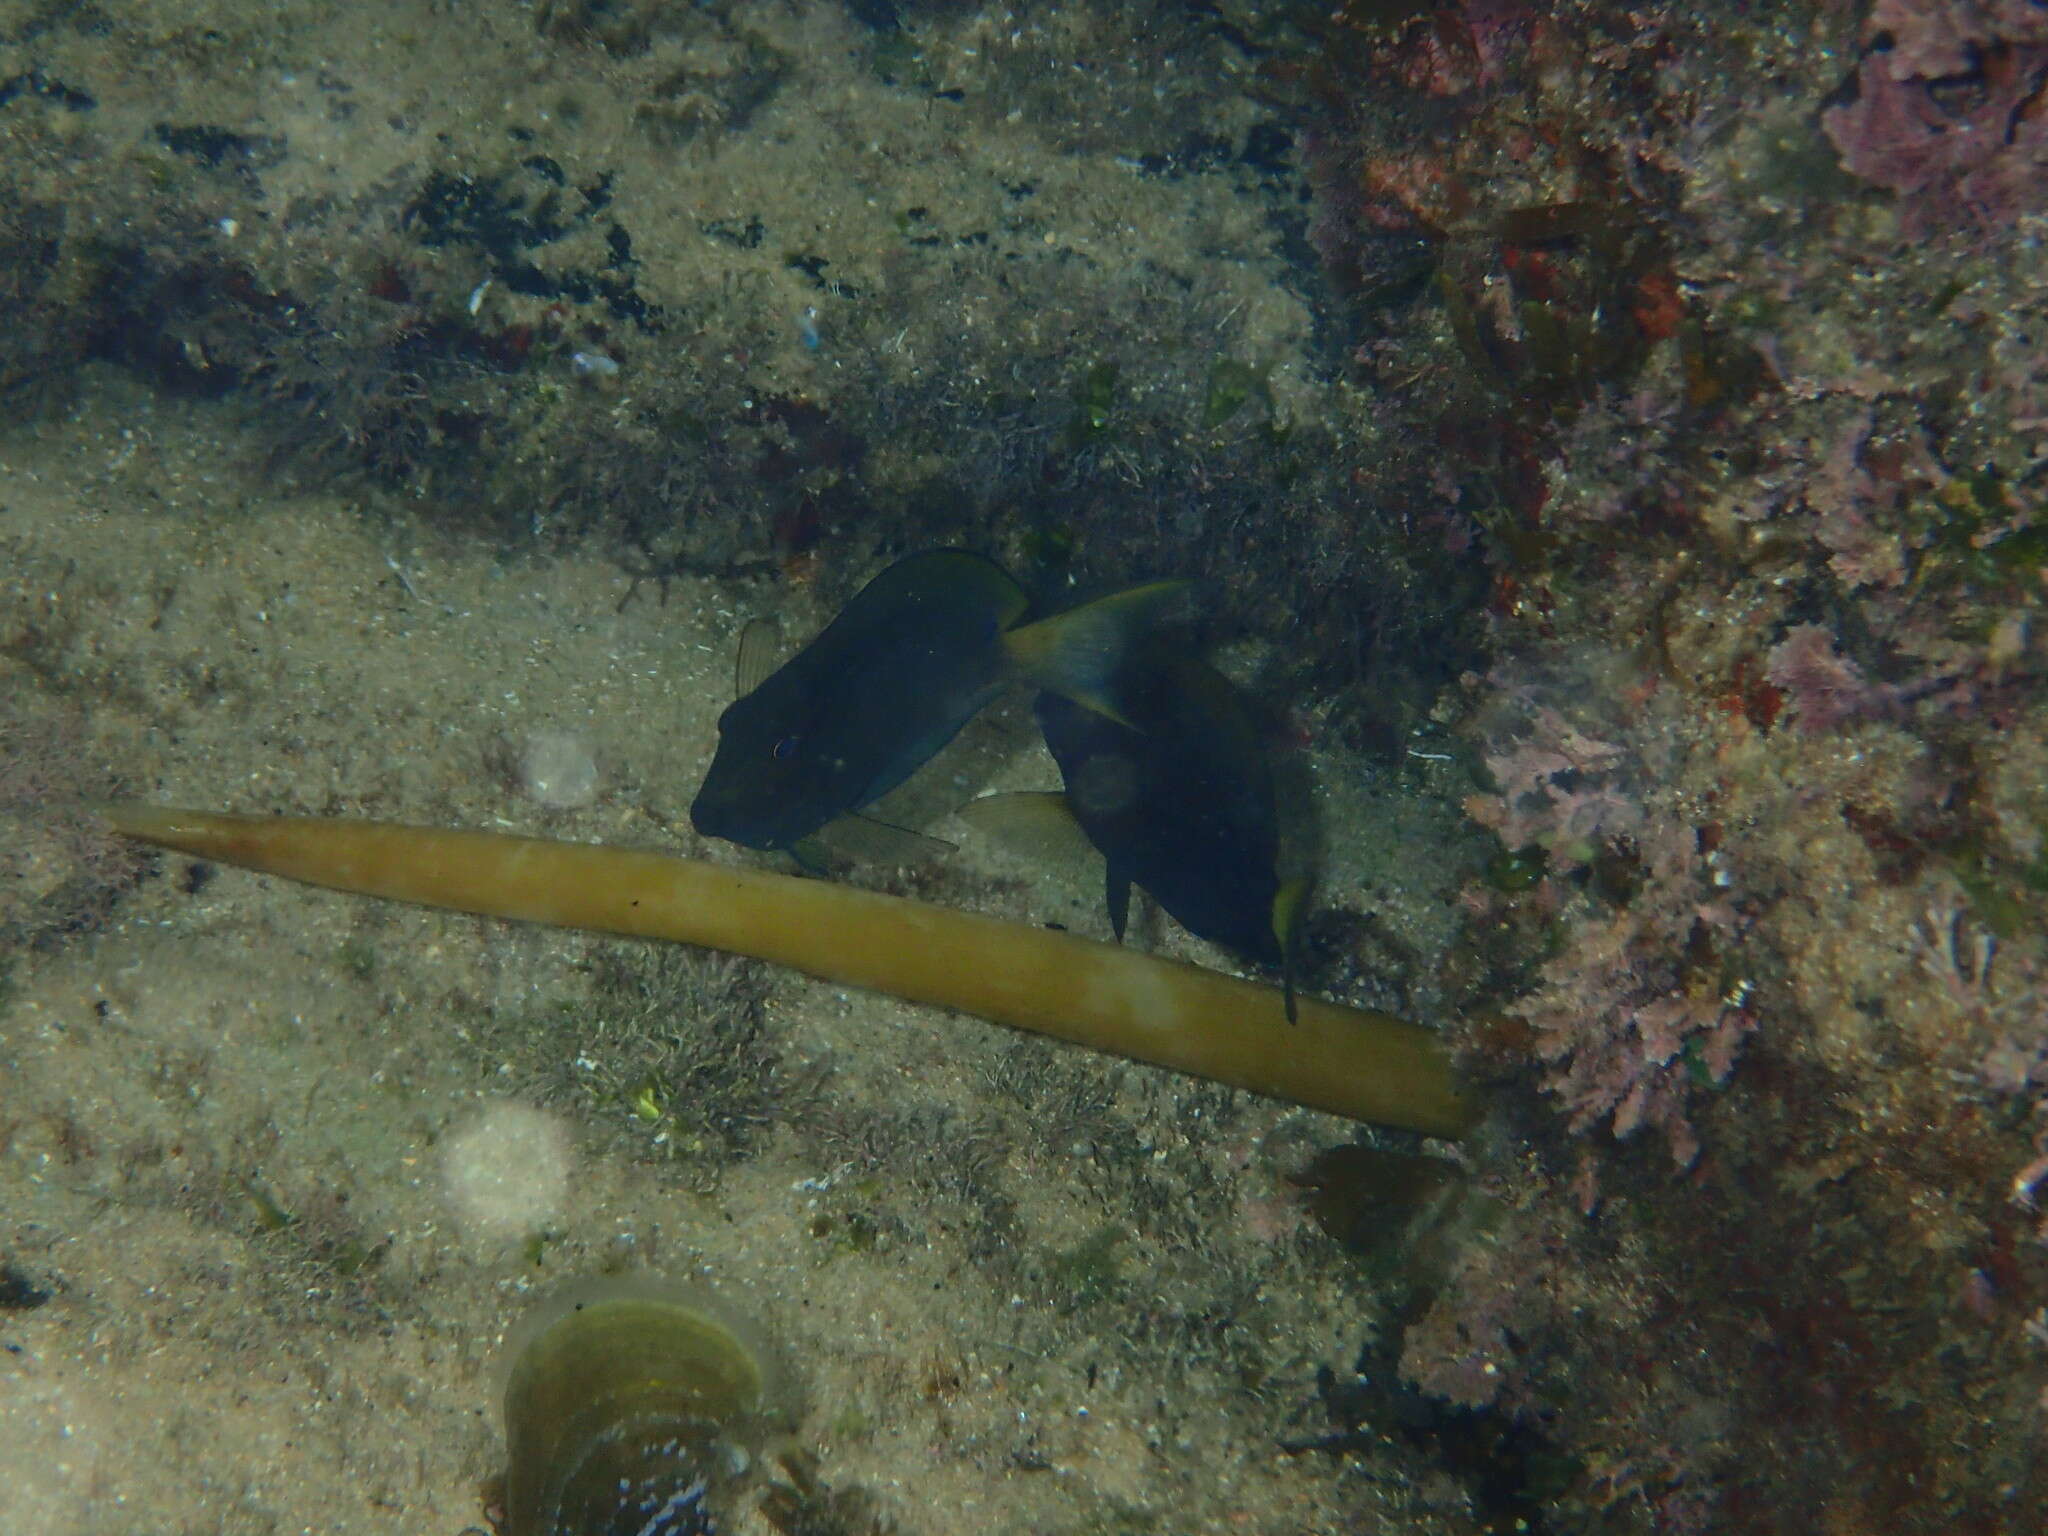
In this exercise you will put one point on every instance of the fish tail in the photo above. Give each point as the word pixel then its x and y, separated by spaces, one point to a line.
pixel 1080 654
pixel 1290 906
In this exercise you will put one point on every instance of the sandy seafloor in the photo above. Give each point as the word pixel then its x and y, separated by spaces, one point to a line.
pixel 209 1058
pixel 352 360
pixel 280 1167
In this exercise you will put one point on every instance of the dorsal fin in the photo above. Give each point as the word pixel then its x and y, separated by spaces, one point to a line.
pixel 759 654
pixel 1080 653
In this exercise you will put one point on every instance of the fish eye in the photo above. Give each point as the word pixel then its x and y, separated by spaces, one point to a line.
pixel 784 748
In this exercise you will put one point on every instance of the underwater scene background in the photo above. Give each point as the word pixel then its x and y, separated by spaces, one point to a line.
pixel 1607 448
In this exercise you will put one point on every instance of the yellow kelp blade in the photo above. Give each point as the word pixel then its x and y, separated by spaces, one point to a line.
pixel 1368 1066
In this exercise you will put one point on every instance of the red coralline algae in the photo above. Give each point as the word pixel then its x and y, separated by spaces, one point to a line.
pixel 1850 498
pixel 1635 1016
pixel 1941 39
pixel 1825 688
pixel 1950 115
pixel 1630 1029
pixel 1768 568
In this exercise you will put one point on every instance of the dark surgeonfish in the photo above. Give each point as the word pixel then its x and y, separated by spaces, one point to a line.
pixel 916 653
pixel 1181 797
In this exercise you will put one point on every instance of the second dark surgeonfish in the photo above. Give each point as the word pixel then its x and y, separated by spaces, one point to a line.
pixel 1180 797
pixel 916 653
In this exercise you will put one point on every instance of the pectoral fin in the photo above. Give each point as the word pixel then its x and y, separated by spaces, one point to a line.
pixel 870 840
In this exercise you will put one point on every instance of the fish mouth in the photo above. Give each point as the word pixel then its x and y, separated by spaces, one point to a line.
pixel 710 820
pixel 723 823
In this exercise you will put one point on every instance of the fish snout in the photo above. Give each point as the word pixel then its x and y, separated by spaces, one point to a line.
pixel 712 818
pixel 732 820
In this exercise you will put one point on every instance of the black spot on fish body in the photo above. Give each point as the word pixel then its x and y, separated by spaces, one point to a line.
pixel 1105 785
